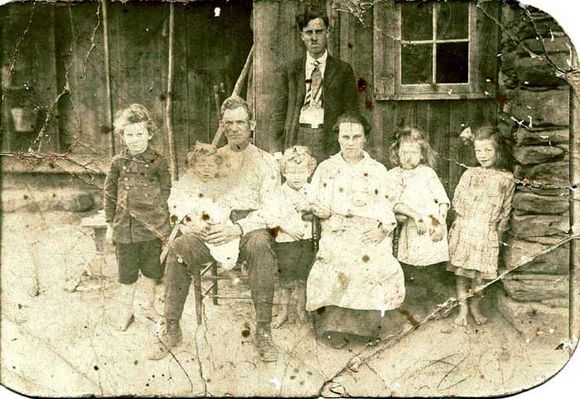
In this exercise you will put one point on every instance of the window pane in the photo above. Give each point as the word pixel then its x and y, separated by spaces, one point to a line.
pixel 416 63
pixel 452 63
pixel 452 21
pixel 416 21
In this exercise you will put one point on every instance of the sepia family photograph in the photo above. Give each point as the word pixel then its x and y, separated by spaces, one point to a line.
pixel 287 198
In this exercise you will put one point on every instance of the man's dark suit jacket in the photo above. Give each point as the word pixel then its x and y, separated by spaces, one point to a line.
pixel 339 96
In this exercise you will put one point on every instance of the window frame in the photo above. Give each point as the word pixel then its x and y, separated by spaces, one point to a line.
pixel 387 59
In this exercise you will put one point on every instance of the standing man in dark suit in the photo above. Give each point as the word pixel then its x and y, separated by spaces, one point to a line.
pixel 316 90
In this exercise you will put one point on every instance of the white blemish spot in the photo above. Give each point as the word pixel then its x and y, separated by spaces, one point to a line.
pixel 216 12
pixel 276 382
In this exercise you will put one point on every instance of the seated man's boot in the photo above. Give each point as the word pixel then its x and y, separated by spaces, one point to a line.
pixel 264 345
pixel 168 336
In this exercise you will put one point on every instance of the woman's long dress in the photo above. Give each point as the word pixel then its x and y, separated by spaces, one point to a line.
pixel 348 273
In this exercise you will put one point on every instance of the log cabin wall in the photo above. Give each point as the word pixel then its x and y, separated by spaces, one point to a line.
pixel 53 58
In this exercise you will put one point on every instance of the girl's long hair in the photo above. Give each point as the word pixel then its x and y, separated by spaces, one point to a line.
pixel 412 134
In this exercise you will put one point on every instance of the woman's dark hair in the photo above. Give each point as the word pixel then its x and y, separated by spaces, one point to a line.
pixel 354 118
pixel 308 15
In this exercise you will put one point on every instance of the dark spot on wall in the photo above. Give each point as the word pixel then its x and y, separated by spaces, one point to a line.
pixel 147 384
pixel 245 333
pixel 340 189
pixel 501 98
pixel 19 306
pixel 105 129
pixel 51 165
pixel 362 85
pixel 365 174
pixel 162 97
pixel 208 380
pixel 173 218
pixel 323 184
pixel 25 196
pixel 53 195
pixel 365 258
pixel 96 368
pixel 200 195
pixel 350 45
pixel 310 372
pixel 368 104
pixel 204 217
pixel 292 377
pixel 376 191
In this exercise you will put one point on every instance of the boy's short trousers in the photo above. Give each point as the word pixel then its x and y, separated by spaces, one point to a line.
pixel 137 256
pixel 295 259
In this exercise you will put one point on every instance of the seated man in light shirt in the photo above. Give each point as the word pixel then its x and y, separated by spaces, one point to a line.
pixel 254 183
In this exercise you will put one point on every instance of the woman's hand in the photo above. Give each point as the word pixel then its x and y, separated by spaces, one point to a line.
pixel 296 232
pixel 420 224
pixel 304 206
pixel 438 232
pixel 374 235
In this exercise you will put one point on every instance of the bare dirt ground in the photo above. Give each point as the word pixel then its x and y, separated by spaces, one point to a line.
pixel 60 343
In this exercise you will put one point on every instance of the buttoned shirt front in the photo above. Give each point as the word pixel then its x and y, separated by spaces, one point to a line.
pixel 136 191
pixel 253 182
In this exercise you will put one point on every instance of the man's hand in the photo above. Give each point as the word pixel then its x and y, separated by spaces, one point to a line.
pixel 374 235
pixel 191 229
pixel 109 234
pixel 218 234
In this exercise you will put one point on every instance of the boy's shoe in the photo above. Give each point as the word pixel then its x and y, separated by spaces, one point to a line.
pixel 264 345
pixel 169 336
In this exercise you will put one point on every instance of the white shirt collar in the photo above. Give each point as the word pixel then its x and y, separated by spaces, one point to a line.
pixel 310 64
pixel 322 60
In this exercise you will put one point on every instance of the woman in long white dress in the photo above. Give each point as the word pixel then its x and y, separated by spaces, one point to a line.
pixel 355 278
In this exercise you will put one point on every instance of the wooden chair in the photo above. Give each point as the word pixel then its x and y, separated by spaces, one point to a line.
pixel 208 273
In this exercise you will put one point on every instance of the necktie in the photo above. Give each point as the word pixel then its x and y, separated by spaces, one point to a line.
pixel 315 89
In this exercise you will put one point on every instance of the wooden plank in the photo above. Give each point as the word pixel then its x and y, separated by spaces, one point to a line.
pixel 139 51
pixel 458 120
pixel 386 32
pixel 438 129
pixel 276 42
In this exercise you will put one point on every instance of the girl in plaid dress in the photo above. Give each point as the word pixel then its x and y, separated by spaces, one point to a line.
pixel 482 203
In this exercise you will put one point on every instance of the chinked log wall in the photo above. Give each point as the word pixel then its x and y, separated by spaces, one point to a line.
pixel 536 112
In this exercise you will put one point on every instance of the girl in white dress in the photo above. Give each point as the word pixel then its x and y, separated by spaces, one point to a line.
pixel 422 245
pixel 422 242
